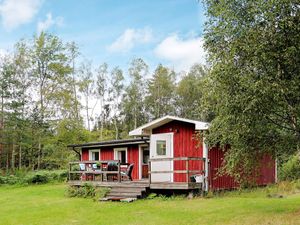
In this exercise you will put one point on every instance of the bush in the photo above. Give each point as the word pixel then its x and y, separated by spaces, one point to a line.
pixel 87 191
pixel 38 177
pixel 291 169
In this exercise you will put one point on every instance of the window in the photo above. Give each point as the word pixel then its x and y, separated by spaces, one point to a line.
pixel 94 155
pixel 145 155
pixel 160 147
pixel 121 154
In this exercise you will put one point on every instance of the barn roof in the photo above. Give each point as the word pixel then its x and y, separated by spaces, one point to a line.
pixel 145 129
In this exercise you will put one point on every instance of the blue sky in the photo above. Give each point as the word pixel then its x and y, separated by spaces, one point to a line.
pixel 115 31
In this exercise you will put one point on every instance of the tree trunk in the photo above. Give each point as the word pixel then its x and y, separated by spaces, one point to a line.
pixel 75 92
pixel 20 157
pixel 87 113
pixel 7 161
pixel 101 119
pixel 39 153
pixel 116 128
pixel 13 152
pixel 2 130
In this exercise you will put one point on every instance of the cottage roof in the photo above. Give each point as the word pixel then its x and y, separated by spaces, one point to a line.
pixel 111 143
pixel 145 130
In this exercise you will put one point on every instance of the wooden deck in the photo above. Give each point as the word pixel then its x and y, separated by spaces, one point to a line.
pixel 111 184
pixel 89 173
pixel 142 184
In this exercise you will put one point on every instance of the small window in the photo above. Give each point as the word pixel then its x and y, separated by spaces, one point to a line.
pixel 161 147
pixel 145 155
pixel 122 156
pixel 95 156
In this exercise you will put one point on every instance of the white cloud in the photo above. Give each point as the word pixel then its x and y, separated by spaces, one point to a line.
pixel 130 38
pixel 17 12
pixel 180 53
pixel 44 25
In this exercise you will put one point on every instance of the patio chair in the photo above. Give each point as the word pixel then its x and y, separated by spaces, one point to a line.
pixel 112 166
pixel 127 174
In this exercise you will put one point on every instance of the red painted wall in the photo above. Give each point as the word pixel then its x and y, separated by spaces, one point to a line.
pixel 184 146
pixel 216 182
pixel 266 171
pixel 85 155
pixel 133 157
pixel 107 153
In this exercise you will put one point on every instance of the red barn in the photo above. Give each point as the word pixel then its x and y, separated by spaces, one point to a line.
pixel 166 155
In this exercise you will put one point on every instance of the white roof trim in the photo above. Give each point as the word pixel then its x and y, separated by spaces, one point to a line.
pixel 146 129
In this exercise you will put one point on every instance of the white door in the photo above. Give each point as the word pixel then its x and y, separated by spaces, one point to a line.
pixel 161 150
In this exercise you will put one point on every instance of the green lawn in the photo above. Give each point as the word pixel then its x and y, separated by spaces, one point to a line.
pixel 47 204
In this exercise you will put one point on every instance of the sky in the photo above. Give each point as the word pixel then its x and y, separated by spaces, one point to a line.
pixel 112 31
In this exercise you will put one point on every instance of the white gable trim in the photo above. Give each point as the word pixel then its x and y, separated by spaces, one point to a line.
pixel 146 129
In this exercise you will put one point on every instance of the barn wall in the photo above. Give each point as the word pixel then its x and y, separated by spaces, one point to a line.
pixel 266 171
pixel 184 146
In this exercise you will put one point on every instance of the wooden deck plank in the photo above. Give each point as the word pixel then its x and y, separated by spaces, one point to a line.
pixel 139 184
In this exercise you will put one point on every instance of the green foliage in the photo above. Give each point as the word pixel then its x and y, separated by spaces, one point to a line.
pixel 160 93
pixel 152 196
pixel 40 177
pixel 133 103
pixel 87 191
pixel 254 84
pixel 290 170
pixel 189 94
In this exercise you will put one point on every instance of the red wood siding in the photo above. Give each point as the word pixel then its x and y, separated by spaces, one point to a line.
pixel 133 157
pixel 85 155
pixel 107 153
pixel 184 146
pixel 266 171
pixel 216 182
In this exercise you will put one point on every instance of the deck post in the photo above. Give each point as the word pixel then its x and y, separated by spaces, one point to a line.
pixel 119 171
pixel 187 169
pixel 70 167
pixel 149 171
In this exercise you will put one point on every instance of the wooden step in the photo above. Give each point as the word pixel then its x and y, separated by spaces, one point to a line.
pixel 117 193
pixel 119 199
pixel 136 195
pixel 128 190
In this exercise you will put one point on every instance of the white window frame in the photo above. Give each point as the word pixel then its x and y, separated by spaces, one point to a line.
pixel 91 154
pixel 116 150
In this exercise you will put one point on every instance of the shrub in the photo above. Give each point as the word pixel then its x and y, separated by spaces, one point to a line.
pixel 290 170
pixel 37 177
pixel 87 191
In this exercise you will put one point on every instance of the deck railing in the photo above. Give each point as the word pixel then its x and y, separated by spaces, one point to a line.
pixel 90 169
pixel 187 171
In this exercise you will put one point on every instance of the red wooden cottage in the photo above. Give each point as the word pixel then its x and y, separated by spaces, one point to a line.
pixel 166 155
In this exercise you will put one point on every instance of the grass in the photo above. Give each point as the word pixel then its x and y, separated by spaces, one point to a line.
pixel 48 204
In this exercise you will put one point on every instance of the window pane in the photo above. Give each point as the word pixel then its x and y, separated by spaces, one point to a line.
pixel 95 156
pixel 145 155
pixel 123 156
pixel 161 147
